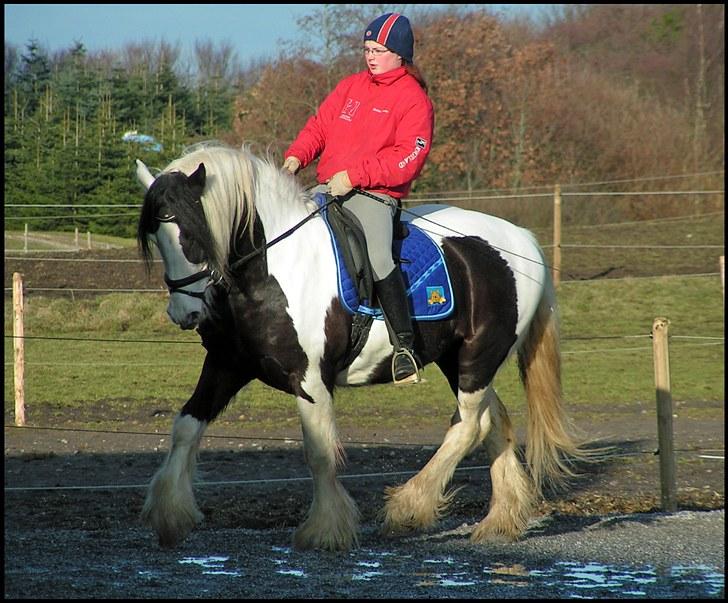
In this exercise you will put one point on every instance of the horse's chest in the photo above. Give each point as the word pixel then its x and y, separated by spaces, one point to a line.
pixel 266 330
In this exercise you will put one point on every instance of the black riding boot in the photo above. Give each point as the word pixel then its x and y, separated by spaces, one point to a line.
pixel 393 300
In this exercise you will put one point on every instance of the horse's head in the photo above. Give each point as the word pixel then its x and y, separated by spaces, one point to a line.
pixel 173 219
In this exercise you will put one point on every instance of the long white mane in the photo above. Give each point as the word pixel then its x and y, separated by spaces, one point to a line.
pixel 237 185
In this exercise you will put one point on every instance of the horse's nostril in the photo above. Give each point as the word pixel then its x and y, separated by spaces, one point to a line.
pixel 191 320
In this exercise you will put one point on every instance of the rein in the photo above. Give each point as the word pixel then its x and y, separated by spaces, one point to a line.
pixel 237 263
pixel 175 285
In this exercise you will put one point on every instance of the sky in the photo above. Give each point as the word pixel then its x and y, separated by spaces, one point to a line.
pixel 254 30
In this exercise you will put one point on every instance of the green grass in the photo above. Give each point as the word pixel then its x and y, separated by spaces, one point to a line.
pixel 607 356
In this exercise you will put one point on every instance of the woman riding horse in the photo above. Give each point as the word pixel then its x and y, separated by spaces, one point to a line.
pixel 373 132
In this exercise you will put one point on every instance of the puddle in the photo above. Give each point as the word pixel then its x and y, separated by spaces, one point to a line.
pixel 566 579
pixel 699 575
pixel 292 572
pixel 581 578
pixel 213 566
pixel 370 572
pixel 285 571
pixel 598 579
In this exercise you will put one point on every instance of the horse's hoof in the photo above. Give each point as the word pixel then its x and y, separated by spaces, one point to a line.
pixel 389 530
pixel 172 533
pixel 487 532
pixel 304 541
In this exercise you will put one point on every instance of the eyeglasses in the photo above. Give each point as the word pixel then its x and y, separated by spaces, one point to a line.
pixel 377 52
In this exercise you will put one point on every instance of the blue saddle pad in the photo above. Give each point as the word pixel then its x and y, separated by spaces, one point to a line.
pixel 425 275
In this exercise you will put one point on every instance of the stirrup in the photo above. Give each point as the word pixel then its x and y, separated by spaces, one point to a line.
pixel 411 377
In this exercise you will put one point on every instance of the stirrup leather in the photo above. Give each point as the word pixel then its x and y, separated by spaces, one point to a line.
pixel 410 378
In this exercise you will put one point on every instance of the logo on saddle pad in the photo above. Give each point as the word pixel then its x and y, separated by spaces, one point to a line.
pixel 436 296
pixel 425 273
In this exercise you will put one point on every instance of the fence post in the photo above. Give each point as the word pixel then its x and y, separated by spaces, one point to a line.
pixel 661 357
pixel 75 237
pixel 19 349
pixel 557 236
pixel 88 239
pixel 722 274
pixel 25 239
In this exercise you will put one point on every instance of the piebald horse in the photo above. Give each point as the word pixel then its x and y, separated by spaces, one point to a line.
pixel 249 263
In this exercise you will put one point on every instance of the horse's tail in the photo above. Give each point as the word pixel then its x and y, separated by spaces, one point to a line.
pixel 551 445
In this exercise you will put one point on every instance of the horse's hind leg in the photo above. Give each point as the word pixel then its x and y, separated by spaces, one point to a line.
pixel 421 501
pixel 512 498
pixel 170 507
pixel 332 522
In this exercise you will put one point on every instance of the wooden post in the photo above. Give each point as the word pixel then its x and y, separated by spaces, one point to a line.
pixel 557 236
pixel 88 239
pixel 664 414
pixel 722 274
pixel 75 237
pixel 19 349
pixel 25 239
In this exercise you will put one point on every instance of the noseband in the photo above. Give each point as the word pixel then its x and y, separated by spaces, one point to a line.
pixel 175 285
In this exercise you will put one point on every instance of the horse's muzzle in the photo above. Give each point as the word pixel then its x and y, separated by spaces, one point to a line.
pixel 189 321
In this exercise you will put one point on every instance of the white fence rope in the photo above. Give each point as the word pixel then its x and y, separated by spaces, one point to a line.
pixel 585 246
pixel 409 200
pixel 87 260
pixel 242 482
pixel 574 184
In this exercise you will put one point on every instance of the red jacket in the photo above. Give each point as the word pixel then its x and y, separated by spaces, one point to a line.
pixel 376 127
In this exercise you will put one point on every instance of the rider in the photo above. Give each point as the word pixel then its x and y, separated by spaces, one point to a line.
pixel 373 132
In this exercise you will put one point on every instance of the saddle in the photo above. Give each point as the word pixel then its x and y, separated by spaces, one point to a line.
pixel 426 277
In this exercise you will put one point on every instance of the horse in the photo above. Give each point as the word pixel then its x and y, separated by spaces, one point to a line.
pixel 249 263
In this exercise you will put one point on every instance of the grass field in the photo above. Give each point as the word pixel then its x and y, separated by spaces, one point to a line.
pixel 121 350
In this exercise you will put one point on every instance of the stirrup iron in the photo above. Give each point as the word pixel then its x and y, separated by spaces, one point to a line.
pixel 410 378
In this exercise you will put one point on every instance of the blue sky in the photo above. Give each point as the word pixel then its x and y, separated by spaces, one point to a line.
pixel 254 30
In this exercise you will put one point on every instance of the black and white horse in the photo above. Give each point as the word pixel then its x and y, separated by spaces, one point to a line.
pixel 248 267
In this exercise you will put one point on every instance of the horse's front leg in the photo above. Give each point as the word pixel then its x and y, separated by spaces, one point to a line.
pixel 170 507
pixel 332 522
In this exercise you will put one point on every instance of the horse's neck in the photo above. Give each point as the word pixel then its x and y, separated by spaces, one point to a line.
pixel 280 203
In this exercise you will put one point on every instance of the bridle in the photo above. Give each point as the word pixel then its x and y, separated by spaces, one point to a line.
pixel 174 285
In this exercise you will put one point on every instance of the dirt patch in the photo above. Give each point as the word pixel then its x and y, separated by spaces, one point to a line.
pixel 130 453
pixel 80 536
pixel 82 272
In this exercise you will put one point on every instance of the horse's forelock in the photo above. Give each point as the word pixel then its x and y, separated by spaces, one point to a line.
pixel 172 191
pixel 146 226
pixel 228 198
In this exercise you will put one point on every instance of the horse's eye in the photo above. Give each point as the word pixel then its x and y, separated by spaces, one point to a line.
pixel 165 216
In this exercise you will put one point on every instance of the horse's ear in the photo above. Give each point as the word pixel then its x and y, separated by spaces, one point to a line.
pixel 197 180
pixel 143 174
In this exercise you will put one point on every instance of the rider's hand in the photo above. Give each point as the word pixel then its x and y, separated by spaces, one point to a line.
pixel 292 164
pixel 340 185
